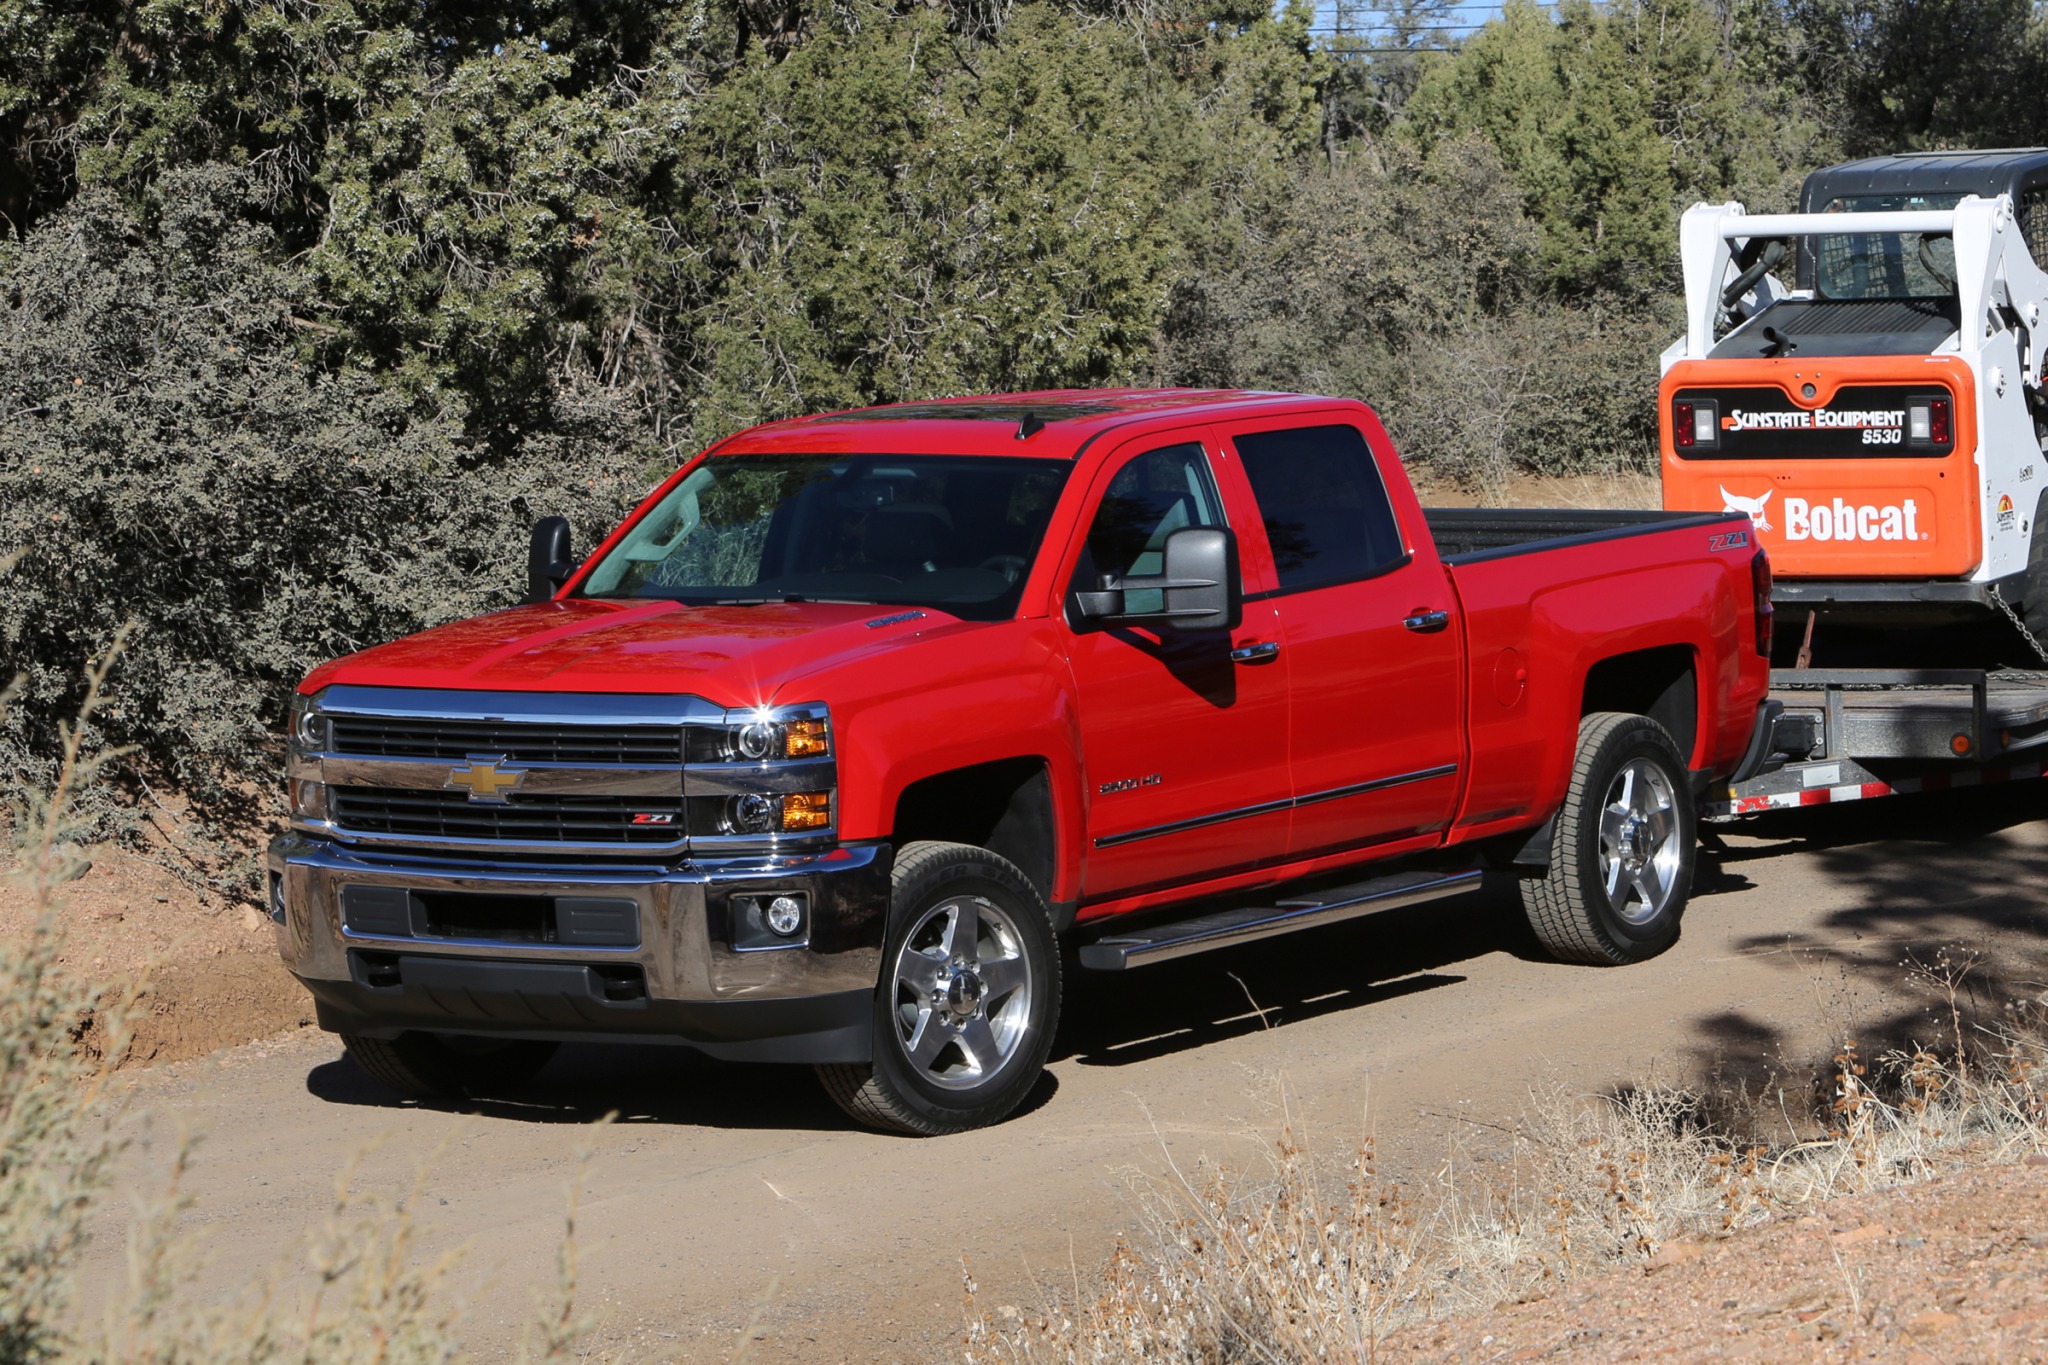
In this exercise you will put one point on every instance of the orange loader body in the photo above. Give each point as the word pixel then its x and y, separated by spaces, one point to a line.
pixel 1897 515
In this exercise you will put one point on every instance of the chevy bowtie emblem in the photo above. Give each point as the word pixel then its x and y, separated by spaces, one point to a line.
pixel 484 780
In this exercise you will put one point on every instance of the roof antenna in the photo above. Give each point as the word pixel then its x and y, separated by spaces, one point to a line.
pixel 1031 425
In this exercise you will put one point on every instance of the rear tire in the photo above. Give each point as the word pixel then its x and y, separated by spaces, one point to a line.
pixel 968 998
pixel 433 1066
pixel 1622 852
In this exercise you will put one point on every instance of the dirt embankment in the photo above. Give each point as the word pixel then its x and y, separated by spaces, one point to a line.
pixel 208 967
pixel 1954 1269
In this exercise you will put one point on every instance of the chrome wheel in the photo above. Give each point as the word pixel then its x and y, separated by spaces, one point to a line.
pixel 1641 842
pixel 962 992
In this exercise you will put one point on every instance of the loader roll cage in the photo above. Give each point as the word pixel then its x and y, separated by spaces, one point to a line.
pixel 1996 284
pixel 1930 180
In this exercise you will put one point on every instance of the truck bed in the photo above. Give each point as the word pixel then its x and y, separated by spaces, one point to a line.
pixel 1468 535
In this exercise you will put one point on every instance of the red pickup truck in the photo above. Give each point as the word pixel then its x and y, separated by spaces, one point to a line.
pixel 825 751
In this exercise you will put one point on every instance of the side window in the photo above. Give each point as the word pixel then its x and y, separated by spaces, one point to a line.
pixel 1326 511
pixel 1151 497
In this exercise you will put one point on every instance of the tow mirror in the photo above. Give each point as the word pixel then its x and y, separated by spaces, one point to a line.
pixel 1198 591
pixel 549 561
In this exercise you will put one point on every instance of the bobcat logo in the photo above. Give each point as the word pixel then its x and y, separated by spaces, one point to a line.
pixel 1753 506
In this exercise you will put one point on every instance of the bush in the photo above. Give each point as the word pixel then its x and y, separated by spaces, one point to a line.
pixel 1283 1260
pixel 370 1297
pixel 170 456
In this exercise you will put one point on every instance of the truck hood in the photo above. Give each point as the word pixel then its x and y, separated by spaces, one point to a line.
pixel 733 656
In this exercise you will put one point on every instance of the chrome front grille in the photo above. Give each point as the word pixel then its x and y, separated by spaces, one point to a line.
pixel 427 737
pixel 526 774
pixel 628 821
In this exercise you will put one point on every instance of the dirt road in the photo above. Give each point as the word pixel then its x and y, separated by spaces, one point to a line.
pixel 727 1195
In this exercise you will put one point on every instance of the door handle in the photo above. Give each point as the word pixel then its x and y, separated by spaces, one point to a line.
pixel 1427 622
pixel 1255 654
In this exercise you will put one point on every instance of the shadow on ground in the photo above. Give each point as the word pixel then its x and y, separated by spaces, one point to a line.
pixel 1953 870
pixel 1945 924
pixel 1109 1020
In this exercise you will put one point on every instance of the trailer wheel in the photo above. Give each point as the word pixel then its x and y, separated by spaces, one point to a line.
pixel 968 1000
pixel 1622 855
pixel 434 1066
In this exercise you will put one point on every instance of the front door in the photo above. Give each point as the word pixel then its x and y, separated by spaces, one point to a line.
pixel 1371 647
pixel 1184 735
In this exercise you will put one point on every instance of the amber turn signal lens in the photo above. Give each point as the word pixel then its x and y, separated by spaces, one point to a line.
pixel 806 739
pixel 806 810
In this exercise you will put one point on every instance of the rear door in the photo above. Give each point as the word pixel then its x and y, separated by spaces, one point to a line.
pixel 1366 630
pixel 1184 735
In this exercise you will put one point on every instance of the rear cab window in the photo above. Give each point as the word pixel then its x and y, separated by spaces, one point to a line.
pixel 1327 515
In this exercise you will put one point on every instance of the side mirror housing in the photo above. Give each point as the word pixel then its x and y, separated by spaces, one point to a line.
pixel 549 561
pixel 1198 591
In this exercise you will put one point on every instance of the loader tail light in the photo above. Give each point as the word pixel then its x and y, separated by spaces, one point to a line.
pixel 1929 422
pixel 1696 422
pixel 1766 614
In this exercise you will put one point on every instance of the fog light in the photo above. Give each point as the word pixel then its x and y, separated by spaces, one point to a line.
pixel 807 810
pixel 756 740
pixel 276 898
pixel 309 800
pixel 785 915
pixel 753 814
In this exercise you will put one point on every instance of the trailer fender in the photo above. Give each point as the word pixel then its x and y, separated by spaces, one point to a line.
pixel 1762 754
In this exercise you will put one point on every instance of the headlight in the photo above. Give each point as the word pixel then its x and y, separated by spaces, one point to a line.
pixel 806 810
pixel 309 800
pixel 765 771
pixel 765 737
pixel 758 740
pixel 307 726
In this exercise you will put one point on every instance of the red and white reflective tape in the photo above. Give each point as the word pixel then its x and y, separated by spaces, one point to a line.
pixel 1865 791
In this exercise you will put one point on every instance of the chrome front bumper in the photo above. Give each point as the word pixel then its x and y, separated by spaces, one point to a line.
pixel 685 978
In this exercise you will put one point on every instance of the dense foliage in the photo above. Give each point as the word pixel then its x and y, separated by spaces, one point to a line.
pixel 311 305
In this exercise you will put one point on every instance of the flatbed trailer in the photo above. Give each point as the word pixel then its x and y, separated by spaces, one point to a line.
pixel 1862 733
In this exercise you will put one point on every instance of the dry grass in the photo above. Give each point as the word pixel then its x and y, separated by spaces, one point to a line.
pixel 1287 1261
pixel 352 1292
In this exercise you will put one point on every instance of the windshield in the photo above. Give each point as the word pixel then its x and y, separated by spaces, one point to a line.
pixel 952 532
pixel 1889 265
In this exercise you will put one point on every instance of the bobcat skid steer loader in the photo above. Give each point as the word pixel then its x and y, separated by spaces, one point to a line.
pixel 1883 421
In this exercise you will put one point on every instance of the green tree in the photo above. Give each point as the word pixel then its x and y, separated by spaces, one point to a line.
pixel 167 457
pixel 1612 119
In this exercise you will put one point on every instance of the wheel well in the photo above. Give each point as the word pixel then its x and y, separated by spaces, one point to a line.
pixel 1659 683
pixel 1004 807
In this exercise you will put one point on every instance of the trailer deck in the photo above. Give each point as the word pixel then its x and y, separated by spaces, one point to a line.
pixel 1868 733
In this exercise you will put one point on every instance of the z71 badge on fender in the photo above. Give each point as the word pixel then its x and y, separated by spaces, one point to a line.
pixel 1729 540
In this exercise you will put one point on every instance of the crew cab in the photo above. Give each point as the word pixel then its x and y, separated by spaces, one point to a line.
pixel 823 753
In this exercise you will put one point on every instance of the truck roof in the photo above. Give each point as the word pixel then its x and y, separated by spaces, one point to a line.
pixel 2006 170
pixel 1047 423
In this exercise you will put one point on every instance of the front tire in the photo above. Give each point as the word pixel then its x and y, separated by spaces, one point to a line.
pixel 433 1066
pixel 1622 852
pixel 968 1000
